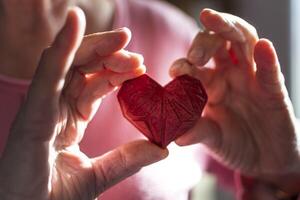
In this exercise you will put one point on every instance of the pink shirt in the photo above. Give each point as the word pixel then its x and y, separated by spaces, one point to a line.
pixel 161 33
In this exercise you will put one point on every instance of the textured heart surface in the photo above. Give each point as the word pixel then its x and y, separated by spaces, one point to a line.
pixel 162 114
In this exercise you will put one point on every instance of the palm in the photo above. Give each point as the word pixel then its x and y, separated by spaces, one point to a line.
pixel 72 171
pixel 248 122
pixel 240 108
pixel 248 116
pixel 75 109
pixel 73 177
pixel 87 81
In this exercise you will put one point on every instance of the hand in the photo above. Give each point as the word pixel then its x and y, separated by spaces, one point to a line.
pixel 42 159
pixel 28 27
pixel 248 122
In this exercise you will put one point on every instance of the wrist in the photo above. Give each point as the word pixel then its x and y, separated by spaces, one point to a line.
pixel 279 187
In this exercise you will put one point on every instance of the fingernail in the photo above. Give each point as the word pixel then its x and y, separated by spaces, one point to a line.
pixel 120 29
pixel 175 66
pixel 161 154
pixel 140 70
pixel 123 29
pixel 180 141
pixel 139 57
pixel 165 153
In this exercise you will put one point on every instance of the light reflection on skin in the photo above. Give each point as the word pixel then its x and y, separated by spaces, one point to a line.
pixel 179 171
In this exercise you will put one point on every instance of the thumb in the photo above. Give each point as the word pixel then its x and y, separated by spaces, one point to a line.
pixel 206 131
pixel 56 60
pixel 183 66
pixel 124 162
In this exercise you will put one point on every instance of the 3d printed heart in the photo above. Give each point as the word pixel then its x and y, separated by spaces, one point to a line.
pixel 162 114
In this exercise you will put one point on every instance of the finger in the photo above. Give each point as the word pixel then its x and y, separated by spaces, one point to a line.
pixel 268 72
pixel 121 61
pixel 232 28
pixel 204 47
pixel 206 131
pixel 223 24
pixel 56 61
pixel 183 66
pixel 125 161
pixel 102 44
pixel 99 85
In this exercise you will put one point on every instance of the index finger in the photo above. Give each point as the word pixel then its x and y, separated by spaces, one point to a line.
pixel 231 28
pixel 101 44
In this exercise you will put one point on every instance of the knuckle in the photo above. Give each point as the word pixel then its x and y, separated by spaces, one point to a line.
pixel 122 159
pixel 253 31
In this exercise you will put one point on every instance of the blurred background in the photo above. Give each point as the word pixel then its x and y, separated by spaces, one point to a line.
pixel 277 20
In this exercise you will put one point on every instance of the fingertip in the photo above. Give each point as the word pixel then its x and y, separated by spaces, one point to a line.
pixel 268 68
pixel 206 12
pixel 140 70
pixel 179 143
pixel 210 19
pixel 265 53
pixel 116 79
pixel 72 32
pixel 81 19
pixel 180 67
pixel 125 61
pixel 124 35
pixel 183 141
pixel 228 26
pixel 165 153
pixel 137 59
pixel 127 34
pixel 80 23
pixel 160 153
pixel 57 59
pixel 173 71
pixel 205 132
pixel 112 41
pixel 152 152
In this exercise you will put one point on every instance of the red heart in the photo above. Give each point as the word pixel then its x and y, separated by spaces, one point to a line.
pixel 162 114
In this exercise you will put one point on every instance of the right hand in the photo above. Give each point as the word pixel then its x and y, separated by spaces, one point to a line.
pixel 248 122
pixel 42 158
pixel 28 27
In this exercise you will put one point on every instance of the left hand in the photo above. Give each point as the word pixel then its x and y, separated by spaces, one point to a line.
pixel 42 159
pixel 248 122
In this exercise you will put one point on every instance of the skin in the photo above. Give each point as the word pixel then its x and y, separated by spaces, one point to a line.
pixel 23 22
pixel 248 122
pixel 241 95
pixel 42 159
